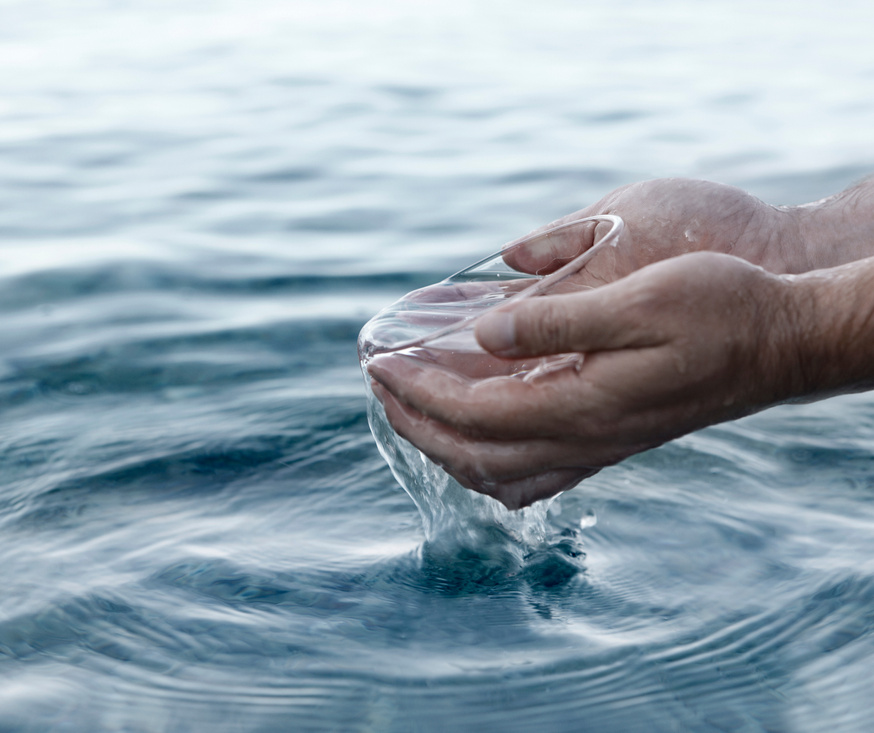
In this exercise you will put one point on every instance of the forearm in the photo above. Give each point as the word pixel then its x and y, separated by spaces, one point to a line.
pixel 836 230
pixel 832 317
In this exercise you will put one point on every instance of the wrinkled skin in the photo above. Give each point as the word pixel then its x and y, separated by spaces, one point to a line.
pixel 669 217
pixel 664 347
pixel 677 330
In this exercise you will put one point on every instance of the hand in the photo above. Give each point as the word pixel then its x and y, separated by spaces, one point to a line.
pixel 670 217
pixel 678 345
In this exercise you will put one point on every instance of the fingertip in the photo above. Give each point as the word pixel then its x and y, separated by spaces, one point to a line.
pixel 546 249
pixel 496 332
pixel 378 390
pixel 374 366
pixel 386 375
pixel 384 366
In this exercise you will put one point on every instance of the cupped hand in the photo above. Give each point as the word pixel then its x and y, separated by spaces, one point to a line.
pixel 671 348
pixel 669 217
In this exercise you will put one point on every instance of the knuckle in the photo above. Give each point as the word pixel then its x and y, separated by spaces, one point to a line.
pixel 550 328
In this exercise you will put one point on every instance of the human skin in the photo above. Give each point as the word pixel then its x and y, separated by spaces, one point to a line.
pixel 673 340
pixel 668 217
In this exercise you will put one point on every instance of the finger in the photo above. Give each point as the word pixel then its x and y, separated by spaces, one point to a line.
pixel 473 364
pixel 603 414
pixel 519 493
pixel 616 316
pixel 499 408
pixel 544 251
pixel 457 292
pixel 515 473
pixel 479 460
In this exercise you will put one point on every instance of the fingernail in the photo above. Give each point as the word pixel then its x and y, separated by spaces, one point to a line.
pixel 496 332
pixel 377 365
pixel 378 390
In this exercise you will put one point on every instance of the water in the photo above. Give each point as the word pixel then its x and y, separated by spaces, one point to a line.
pixel 202 203
pixel 435 324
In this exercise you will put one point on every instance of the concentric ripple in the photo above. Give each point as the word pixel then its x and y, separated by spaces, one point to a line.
pixel 203 202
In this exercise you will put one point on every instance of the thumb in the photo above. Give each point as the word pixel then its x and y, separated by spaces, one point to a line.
pixel 546 249
pixel 595 320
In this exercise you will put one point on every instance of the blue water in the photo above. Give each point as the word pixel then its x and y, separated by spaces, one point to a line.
pixel 202 203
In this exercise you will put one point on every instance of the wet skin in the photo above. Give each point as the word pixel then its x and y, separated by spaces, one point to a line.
pixel 693 319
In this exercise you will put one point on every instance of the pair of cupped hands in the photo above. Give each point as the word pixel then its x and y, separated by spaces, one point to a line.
pixel 686 322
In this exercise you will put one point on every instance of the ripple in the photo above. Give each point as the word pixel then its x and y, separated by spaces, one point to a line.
pixel 197 530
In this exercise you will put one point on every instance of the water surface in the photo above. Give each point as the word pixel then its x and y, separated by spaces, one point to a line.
pixel 202 203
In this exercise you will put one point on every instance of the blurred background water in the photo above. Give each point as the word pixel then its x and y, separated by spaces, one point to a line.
pixel 200 205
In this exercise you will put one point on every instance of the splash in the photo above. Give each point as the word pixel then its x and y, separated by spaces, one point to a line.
pixel 473 543
pixel 437 323
pixel 449 510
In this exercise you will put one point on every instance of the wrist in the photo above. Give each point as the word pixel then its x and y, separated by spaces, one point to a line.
pixel 837 230
pixel 826 339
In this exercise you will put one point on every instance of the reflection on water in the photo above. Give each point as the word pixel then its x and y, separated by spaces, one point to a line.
pixel 202 205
